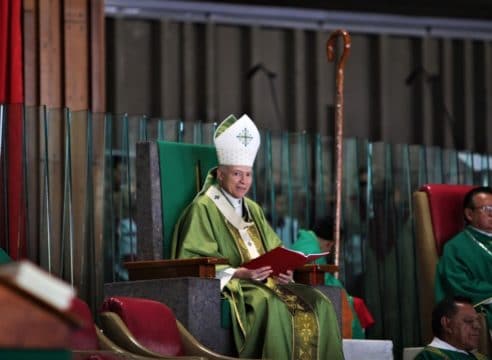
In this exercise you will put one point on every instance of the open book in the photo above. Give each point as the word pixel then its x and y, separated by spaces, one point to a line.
pixel 282 259
pixel 37 283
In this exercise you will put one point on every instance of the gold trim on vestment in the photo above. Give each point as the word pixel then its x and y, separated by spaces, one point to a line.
pixel 436 351
pixel 304 324
pixel 479 243
pixel 255 237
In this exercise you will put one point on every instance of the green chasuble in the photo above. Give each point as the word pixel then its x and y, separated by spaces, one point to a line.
pixel 431 353
pixel 465 268
pixel 307 243
pixel 272 321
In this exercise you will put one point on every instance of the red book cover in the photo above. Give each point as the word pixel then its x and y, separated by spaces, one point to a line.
pixel 282 259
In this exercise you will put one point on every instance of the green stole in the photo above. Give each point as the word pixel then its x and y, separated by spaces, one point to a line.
pixel 431 352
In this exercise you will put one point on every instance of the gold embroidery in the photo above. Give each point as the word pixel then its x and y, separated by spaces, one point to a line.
pixel 436 351
pixel 255 237
pixel 305 329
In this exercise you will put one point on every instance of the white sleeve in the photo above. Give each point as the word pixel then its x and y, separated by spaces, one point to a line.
pixel 224 276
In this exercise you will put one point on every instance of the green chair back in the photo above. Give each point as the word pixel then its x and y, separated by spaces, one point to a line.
pixel 183 169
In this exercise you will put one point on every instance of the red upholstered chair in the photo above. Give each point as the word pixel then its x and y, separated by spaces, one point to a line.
pixel 89 343
pixel 438 214
pixel 147 327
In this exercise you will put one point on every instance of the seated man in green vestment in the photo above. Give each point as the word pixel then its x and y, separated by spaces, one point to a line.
pixel 465 267
pixel 272 317
pixel 456 329
pixel 319 240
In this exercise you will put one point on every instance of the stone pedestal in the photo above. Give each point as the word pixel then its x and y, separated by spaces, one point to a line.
pixel 334 294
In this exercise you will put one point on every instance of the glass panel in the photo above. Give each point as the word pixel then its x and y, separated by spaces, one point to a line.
pixel 32 179
pixel 96 199
pixel 112 182
pixel 353 215
pixel 405 261
pixel 433 164
pixel 263 186
pixel 124 190
pixel 72 216
pixel 208 130
pixel 190 132
pixel 52 125
pixel 465 167
pixel 160 129
pixel 378 245
pixel 450 166
pixel 293 202
pixel 322 177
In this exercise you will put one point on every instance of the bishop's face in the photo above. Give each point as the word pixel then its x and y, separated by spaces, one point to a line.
pixel 236 180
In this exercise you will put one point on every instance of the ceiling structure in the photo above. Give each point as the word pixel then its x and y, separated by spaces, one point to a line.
pixel 471 9
pixel 379 17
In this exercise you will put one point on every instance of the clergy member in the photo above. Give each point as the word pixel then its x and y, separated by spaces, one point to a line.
pixel 456 329
pixel 465 267
pixel 272 317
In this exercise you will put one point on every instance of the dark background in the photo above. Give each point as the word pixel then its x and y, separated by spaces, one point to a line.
pixel 477 9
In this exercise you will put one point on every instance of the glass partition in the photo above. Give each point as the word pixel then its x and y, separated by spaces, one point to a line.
pixel 78 196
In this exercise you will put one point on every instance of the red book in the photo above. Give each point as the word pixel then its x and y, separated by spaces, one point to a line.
pixel 282 259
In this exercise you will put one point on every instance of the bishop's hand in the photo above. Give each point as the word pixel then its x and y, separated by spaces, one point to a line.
pixel 259 274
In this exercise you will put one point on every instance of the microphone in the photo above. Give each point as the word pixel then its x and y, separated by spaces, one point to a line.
pixel 253 70
pixel 414 74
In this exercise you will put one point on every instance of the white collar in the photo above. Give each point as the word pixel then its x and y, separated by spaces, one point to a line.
pixel 235 202
pixel 441 344
pixel 481 231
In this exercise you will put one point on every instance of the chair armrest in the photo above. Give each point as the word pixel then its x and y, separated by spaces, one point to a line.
pixel 161 269
pixel 193 347
pixel 107 344
pixel 313 274
pixel 105 355
pixel 109 347
pixel 118 332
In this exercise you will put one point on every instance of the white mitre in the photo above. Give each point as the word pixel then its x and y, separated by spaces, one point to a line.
pixel 237 141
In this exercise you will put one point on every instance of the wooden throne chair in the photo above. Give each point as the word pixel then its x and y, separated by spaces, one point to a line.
pixel 438 214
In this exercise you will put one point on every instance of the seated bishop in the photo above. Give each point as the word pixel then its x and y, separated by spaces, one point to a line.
pixel 272 316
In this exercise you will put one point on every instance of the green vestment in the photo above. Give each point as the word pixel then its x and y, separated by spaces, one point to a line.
pixel 465 269
pixel 262 320
pixel 307 243
pixel 4 257
pixel 431 353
